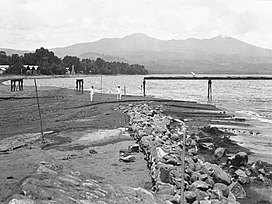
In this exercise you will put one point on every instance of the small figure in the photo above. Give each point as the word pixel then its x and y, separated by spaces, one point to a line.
pixel 91 93
pixel 140 89
pixel 119 93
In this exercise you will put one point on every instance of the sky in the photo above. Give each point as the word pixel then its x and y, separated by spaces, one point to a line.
pixel 31 24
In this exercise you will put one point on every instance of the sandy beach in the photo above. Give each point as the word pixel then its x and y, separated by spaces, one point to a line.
pixel 87 136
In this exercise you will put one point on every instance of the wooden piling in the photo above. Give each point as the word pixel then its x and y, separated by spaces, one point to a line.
pixel 144 87
pixel 22 85
pixel 11 85
pixel 209 90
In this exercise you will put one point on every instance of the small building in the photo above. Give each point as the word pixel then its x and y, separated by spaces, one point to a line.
pixel 3 69
pixel 32 69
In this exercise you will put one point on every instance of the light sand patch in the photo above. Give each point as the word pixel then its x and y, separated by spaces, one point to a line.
pixel 101 135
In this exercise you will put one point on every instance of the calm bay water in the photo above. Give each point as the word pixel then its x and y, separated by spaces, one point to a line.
pixel 250 99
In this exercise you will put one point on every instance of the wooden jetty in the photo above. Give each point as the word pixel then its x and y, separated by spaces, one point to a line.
pixel 208 78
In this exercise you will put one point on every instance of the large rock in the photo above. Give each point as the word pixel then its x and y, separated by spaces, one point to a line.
pixel 242 177
pixel 237 190
pixel 164 175
pixel 128 158
pixel 190 196
pixel 220 176
pixel 257 165
pixel 223 188
pixel 201 185
pixel 165 188
pixel 201 195
pixel 211 130
pixel 134 148
pixel 195 176
pixel 240 159
pixel 219 152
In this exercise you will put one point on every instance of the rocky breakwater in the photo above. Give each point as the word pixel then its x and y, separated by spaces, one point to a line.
pixel 220 181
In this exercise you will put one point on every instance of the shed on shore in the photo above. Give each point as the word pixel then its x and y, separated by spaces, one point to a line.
pixel 3 69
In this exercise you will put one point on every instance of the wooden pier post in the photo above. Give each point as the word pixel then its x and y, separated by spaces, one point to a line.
pixel 79 85
pixel 11 85
pixel 144 87
pixel 22 85
pixel 209 90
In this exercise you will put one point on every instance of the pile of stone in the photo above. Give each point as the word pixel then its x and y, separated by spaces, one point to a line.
pixel 159 137
pixel 55 184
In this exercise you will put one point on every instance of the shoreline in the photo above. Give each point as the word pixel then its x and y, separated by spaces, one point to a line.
pixel 107 97
pixel 65 112
pixel 234 125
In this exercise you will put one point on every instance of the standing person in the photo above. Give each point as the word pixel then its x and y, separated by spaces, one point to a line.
pixel 119 93
pixel 91 93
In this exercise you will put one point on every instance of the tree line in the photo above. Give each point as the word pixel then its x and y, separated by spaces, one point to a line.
pixel 49 64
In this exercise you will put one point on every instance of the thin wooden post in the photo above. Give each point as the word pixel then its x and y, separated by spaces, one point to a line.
pixel 11 85
pixel 20 84
pixel 183 165
pixel 144 87
pixel 209 90
pixel 39 110
pixel 82 87
pixel 125 91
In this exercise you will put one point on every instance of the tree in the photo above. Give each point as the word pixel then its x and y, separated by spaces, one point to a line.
pixel 72 60
pixel 3 58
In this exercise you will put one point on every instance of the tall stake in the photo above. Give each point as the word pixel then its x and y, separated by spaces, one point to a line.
pixel 39 109
pixel 183 165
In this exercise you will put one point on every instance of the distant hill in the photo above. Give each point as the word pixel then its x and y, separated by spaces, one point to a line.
pixel 216 55
pixel 12 51
pixel 220 55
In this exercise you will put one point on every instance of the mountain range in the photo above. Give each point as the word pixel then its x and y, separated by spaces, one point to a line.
pixel 221 54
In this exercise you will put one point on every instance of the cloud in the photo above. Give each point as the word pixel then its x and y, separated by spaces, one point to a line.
pixel 29 24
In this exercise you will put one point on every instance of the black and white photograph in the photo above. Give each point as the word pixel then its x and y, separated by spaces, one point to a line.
pixel 136 102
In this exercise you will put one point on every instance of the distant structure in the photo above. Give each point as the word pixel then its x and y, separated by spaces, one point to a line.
pixel 3 69
pixel 67 70
pixel 32 69
pixel 73 70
